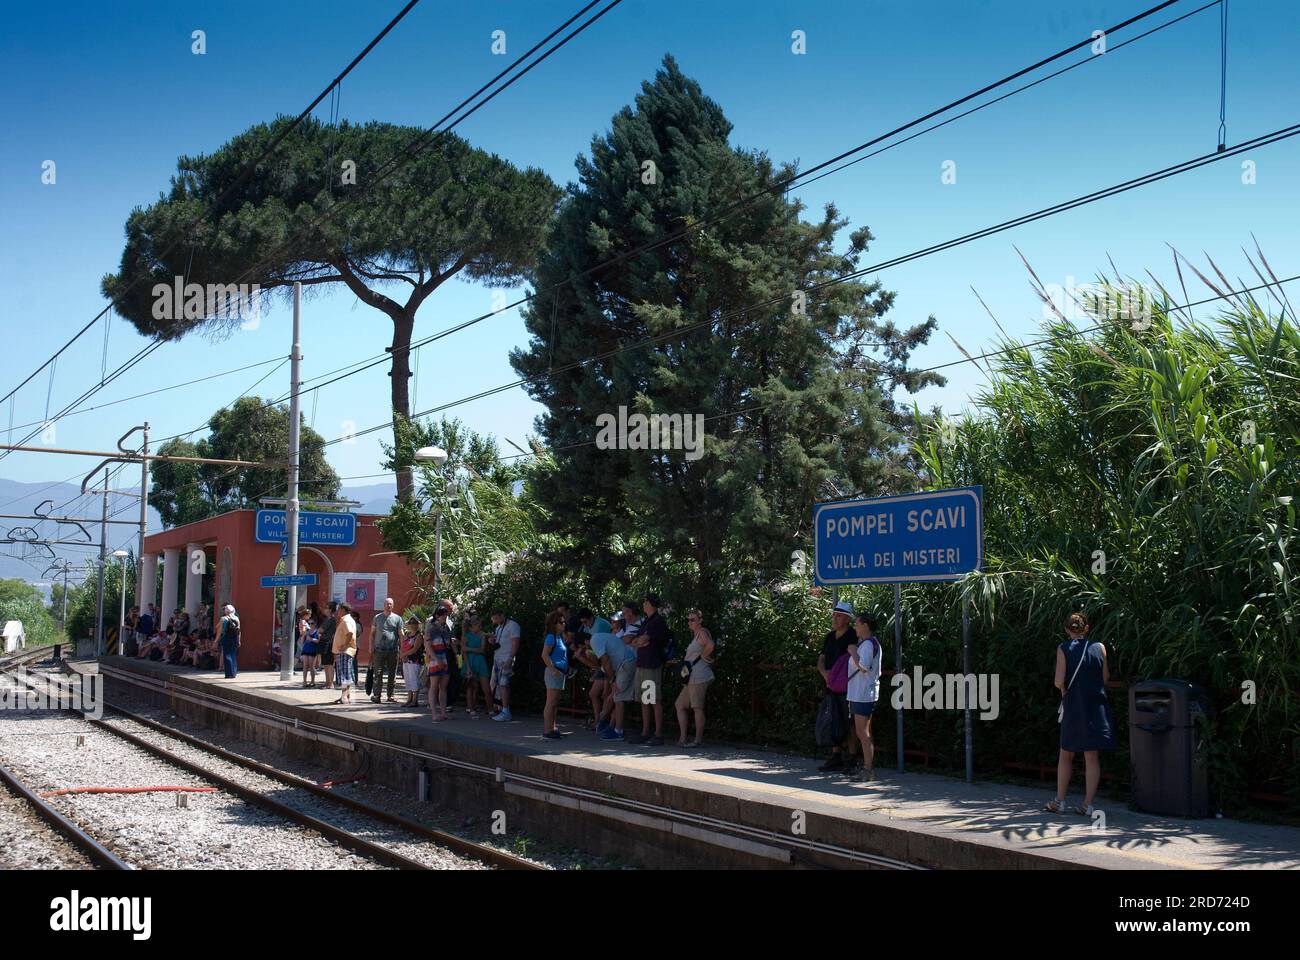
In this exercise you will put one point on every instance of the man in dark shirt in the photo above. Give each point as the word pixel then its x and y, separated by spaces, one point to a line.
pixel 835 645
pixel 650 646
pixel 325 644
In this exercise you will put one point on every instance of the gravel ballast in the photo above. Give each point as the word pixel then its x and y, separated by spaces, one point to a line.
pixel 150 830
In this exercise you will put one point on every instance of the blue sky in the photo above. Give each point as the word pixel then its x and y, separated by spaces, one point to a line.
pixel 113 95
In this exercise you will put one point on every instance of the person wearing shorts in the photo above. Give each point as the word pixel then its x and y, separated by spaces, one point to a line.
pixel 864 687
pixel 437 648
pixel 650 646
pixel 555 679
pixel 345 652
pixel 325 643
pixel 697 671
pixel 618 661
pixel 477 672
pixel 412 654
pixel 584 654
pixel 503 661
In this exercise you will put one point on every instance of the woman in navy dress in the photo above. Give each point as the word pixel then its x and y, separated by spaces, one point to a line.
pixel 1086 723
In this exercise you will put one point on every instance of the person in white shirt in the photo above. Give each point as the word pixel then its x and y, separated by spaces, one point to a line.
pixel 503 661
pixel 864 687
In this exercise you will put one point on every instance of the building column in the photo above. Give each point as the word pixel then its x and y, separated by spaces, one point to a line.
pixel 171 573
pixel 146 591
pixel 196 562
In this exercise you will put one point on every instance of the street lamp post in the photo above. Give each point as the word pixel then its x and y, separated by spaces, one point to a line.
pixel 438 457
pixel 121 623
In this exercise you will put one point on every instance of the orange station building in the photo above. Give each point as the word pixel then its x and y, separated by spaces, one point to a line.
pixel 219 561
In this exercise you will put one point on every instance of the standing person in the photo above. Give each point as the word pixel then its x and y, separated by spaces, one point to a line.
pixel 503 660
pixel 864 688
pixel 618 661
pixel 585 654
pixel 592 624
pixel 144 627
pixel 1082 673
pixel 478 673
pixel 697 672
pixel 553 647
pixel 310 645
pixel 345 651
pixel 437 644
pixel 385 636
pixel 412 655
pixel 454 659
pixel 650 647
pixel 835 645
pixel 300 631
pixel 230 641
pixel 325 643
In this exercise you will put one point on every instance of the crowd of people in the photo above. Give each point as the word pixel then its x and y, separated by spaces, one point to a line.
pixel 617 660
pixel 624 656
pixel 184 640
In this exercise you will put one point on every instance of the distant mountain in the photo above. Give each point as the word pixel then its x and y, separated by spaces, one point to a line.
pixel 375 498
pixel 24 562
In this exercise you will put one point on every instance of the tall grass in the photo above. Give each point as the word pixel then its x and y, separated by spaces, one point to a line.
pixel 1172 451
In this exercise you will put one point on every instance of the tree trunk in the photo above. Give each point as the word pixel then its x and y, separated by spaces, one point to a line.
pixel 400 371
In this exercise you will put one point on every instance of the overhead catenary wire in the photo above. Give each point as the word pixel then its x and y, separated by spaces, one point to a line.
pixel 427 138
pixel 1104 193
pixel 1223 73
pixel 974 359
pixel 151 393
pixel 781 186
pixel 235 185
pixel 407 155
pixel 1271 285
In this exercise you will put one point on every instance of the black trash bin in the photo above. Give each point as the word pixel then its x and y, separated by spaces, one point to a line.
pixel 1166 748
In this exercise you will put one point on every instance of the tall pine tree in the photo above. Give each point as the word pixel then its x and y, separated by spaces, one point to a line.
pixel 798 404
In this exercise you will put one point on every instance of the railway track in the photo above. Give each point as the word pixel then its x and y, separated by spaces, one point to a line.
pixel 96 852
pixel 339 835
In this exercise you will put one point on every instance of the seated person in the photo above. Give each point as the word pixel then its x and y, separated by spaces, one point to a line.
pixel 189 649
pixel 159 647
pixel 208 654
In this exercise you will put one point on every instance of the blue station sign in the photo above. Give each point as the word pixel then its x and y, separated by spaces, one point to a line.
pixel 287 580
pixel 901 539
pixel 315 527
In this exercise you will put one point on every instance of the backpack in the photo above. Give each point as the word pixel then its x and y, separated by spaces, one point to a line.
pixel 837 680
pixel 560 655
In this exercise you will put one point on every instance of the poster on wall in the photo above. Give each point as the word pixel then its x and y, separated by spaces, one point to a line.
pixel 361 591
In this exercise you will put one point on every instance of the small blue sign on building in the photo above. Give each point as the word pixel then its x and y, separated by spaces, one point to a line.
pixel 913 537
pixel 315 527
pixel 287 580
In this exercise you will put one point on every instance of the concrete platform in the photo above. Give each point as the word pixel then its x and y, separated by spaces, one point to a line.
pixel 716 806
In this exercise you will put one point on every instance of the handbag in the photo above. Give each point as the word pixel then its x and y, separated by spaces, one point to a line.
pixel 687 666
pixel 832 724
pixel 1060 711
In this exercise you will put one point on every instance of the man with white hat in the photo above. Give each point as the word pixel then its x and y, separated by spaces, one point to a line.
pixel 834 646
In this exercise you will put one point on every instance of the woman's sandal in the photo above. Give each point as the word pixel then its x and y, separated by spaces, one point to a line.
pixel 1054 806
pixel 339 700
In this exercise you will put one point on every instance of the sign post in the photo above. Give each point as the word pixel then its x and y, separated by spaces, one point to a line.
pixel 898 661
pixel 911 538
